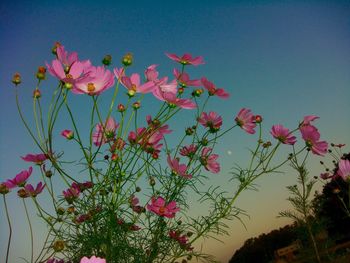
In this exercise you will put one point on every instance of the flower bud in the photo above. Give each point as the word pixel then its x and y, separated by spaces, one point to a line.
pixel 54 48
pixel 48 174
pixel 204 142
pixel 71 209
pixel 181 90
pixel 258 119
pixel 197 93
pixel 68 85
pixel 41 74
pixel 127 59
pixel 4 189
pixel 68 134
pixel 60 210
pixel 138 189
pixel 152 182
pixel 155 155
pixel 114 157
pixel 136 105
pixel 58 245
pixel 22 193
pixel 36 94
pixel 107 60
pixel 16 79
pixel 189 131
pixel 121 108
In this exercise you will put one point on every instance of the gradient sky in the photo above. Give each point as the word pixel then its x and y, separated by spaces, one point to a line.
pixel 282 59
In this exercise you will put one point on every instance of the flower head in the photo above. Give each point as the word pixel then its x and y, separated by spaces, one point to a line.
pixel 177 168
pixel 93 259
pixel 311 137
pixel 34 192
pixel 208 160
pixel 98 80
pixel 161 208
pixel 105 132
pixel 133 84
pixel 184 79
pixel 71 194
pixel 20 179
pixel 211 120
pixel 186 59
pixel 308 119
pixel 68 134
pixel 35 158
pixel 213 90
pixel 246 120
pixel 151 73
pixel 344 169
pixel 282 134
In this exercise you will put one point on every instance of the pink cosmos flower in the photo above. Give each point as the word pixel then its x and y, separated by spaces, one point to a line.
pixel 162 86
pixel 308 119
pixel 155 125
pixel 104 134
pixel 20 179
pixel 282 134
pixel 213 90
pixel 177 168
pixel 159 207
pixel 35 158
pixel 71 194
pixel 311 137
pixel 181 239
pixel 173 100
pixel 186 59
pixel 151 73
pixel 34 192
pixel 68 134
pixel 184 79
pixel 325 176
pixel 98 80
pixel 209 160
pixel 133 84
pixel 344 169
pixel 189 150
pixel 93 259
pixel 246 120
pixel 211 120
pixel 67 59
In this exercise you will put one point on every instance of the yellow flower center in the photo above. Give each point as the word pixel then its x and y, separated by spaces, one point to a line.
pixel 91 87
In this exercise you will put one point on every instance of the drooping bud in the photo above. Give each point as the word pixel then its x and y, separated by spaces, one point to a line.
pixel 127 59
pixel 107 60
pixel 16 79
pixel 36 94
pixel 41 74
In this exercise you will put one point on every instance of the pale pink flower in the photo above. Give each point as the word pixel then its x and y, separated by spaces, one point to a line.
pixel 246 120
pixel 34 192
pixel 35 158
pixel 155 125
pixel 311 137
pixel 184 79
pixel 186 59
pixel 68 134
pixel 151 73
pixel 161 208
pixel 67 59
pixel 177 168
pixel 211 120
pixel 93 259
pixel 173 101
pixel 20 179
pixel 308 119
pixel 98 80
pixel 162 86
pixel 213 90
pixel 208 160
pixel 71 194
pixel 133 84
pixel 105 132
pixel 189 150
pixel 325 176
pixel 282 134
pixel 119 73
pixel 344 169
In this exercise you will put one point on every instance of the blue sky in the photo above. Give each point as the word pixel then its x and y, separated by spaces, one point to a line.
pixel 282 59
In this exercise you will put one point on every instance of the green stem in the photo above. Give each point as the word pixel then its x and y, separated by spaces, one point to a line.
pixel 31 231
pixel 10 228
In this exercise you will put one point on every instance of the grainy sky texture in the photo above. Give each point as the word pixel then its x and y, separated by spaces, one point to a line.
pixel 282 59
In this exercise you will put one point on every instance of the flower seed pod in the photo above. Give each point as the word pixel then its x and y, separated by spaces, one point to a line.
pixel 16 79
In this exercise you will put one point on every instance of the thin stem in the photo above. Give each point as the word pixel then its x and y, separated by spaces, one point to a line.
pixel 10 228
pixel 31 230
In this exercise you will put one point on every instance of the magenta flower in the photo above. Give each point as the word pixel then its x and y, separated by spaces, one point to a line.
pixel 20 179
pixel 119 73
pixel 162 86
pixel 173 101
pixel 68 134
pixel 177 168
pixel 308 119
pixel 93 259
pixel 246 120
pixel 151 73
pixel 325 176
pixel 155 126
pixel 311 137
pixel 159 207
pixel 209 160
pixel 184 79
pixel 104 134
pixel 34 192
pixel 282 134
pixel 71 194
pixel 344 169
pixel 188 151
pixel 35 158
pixel 98 80
pixel 211 120
pixel 213 90
pixel 186 59
pixel 67 59
pixel 133 84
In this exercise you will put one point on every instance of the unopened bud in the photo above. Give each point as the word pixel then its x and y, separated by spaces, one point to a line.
pixel 58 245
pixel 204 142
pixel 258 118
pixel 107 60
pixel 60 210
pixel 41 74
pixel 16 79
pixel 4 189
pixel 54 48
pixel 136 105
pixel 22 193
pixel 114 157
pixel 121 108
pixel 197 93
pixel 36 94
pixel 68 85
pixel 181 90
pixel 127 59
pixel 152 182
pixel 138 189
pixel 48 174
pixel 155 155
pixel 189 131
